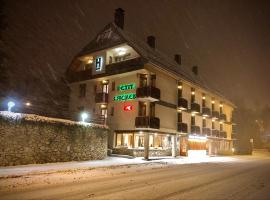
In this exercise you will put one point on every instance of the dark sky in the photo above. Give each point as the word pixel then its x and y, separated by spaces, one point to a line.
pixel 228 40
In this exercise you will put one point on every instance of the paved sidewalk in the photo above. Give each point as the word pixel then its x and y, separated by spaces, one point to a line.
pixel 108 162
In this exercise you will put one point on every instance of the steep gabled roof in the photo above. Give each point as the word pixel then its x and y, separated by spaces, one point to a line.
pixel 112 35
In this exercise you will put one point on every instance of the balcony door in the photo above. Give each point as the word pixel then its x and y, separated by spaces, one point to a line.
pixel 143 80
pixel 142 109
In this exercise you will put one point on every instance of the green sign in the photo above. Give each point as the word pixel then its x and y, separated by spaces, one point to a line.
pixel 125 97
pixel 124 87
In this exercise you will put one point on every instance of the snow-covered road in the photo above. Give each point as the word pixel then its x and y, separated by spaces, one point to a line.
pixel 243 177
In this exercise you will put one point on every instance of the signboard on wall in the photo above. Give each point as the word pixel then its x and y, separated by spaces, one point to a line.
pixel 125 97
pixel 124 87
pixel 128 108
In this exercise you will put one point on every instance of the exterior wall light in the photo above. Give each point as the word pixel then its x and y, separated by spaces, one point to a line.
pixel 193 93
pixel 203 97
pixel 213 102
pixel 28 104
pixel 10 105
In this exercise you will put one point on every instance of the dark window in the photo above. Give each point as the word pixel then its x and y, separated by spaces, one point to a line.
pixel 113 86
pixel 213 106
pixel 192 120
pixel 213 125
pixel 152 109
pixel 179 117
pixel 142 109
pixel 82 90
pixel 221 127
pixel 204 123
pixel 153 80
pixel 143 80
pixel 112 111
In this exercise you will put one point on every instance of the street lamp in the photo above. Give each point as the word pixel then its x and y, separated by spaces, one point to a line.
pixel 10 105
pixel 84 116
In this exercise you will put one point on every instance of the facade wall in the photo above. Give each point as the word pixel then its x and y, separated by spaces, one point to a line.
pixel 29 142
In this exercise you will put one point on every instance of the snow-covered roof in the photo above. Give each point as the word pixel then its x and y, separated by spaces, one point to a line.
pixel 112 35
pixel 37 118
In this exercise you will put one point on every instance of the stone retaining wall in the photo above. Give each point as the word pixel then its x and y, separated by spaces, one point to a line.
pixel 28 139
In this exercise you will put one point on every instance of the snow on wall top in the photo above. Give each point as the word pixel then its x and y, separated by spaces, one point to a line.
pixel 38 118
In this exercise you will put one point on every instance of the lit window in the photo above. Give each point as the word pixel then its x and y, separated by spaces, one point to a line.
pixel 99 62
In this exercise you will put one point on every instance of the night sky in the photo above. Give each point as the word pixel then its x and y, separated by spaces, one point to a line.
pixel 228 40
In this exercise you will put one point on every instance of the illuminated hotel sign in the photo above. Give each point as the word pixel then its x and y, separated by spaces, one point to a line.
pixel 125 97
pixel 124 87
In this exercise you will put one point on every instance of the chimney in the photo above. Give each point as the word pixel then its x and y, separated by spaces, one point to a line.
pixel 195 70
pixel 119 17
pixel 151 41
pixel 177 58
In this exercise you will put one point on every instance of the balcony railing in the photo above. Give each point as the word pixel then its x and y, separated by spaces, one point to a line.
pixel 148 92
pixel 147 122
pixel 223 117
pixel 215 114
pixel 195 130
pixel 182 104
pixel 195 108
pixel 206 131
pixel 101 97
pixel 215 133
pixel 182 127
pixel 223 134
pixel 206 112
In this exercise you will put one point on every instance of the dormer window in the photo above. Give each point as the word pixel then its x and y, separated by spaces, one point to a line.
pixel 99 61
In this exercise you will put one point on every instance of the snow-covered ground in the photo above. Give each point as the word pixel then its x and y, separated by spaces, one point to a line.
pixel 108 162
pixel 236 177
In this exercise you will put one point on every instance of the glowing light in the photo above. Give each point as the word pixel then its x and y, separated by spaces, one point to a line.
pixel 102 106
pixel 203 97
pixel 213 120
pixel 193 93
pixel 233 150
pixel 84 116
pixel 155 134
pixel 140 132
pixel 192 114
pixel 220 105
pixel 179 86
pixel 105 81
pixel 28 104
pixel 90 61
pixel 10 105
pixel 213 102
pixel 121 51
pixel 197 138
pixel 204 117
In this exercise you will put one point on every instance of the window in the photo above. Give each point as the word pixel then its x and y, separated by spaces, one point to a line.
pixel 110 60
pixel 82 89
pixel 104 113
pixel 143 80
pixel 152 109
pixel 153 80
pixel 179 117
pixel 113 86
pixel 213 125
pixel 142 109
pixel 99 63
pixel 192 120
pixel 112 111
pixel 213 106
pixel 221 108
pixel 221 127
pixel 204 123
pixel 105 88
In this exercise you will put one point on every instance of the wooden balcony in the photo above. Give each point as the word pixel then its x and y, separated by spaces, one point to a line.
pixel 223 117
pixel 206 131
pixel 195 108
pixel 223 134
pixel 101 97
pixel 182 127
pixel 215 133
pixel 147 122
pixel 195 130
pixel 148 93
pixel 215 114
pixel 182 104
pixel 206 112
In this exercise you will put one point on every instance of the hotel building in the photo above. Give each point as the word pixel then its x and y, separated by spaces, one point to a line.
pixel 153 105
